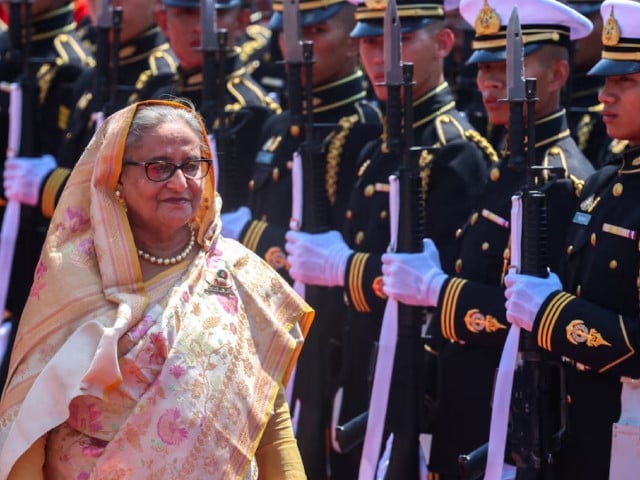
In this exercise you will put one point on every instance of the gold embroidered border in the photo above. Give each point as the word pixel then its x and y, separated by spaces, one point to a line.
pixel 628 56
pixel 278 6
pixel 626 341
pixel 369 14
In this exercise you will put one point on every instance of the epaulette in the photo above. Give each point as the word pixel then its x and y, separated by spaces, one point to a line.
pixel 258 38
pixel 483 144
pixel 368 113
pixel 162 65
pixel 69 52
pixel 246 92
pixel 448 129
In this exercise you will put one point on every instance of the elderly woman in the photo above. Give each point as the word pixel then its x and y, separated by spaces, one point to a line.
pixel 150 347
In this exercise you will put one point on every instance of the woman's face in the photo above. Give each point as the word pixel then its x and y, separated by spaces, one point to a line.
pixel 161 209
pixel 621 99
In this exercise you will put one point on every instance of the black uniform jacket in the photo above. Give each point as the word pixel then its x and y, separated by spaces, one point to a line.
pixel 343 123
pixel 471 314
pixel 595 320
pixel 452 177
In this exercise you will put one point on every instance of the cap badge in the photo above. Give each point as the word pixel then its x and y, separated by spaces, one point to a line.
pixel 376 4
pixel 488 21
pixel 611 31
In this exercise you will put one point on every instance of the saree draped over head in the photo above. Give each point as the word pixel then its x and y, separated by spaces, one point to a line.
pixel 174 377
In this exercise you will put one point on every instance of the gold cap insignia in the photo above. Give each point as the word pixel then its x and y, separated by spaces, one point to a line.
pixel 611 31
pixel 578 332
pixel 376 4
pixel 488 21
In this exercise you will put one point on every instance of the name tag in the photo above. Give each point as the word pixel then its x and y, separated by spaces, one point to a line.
pixel 264 157
pixel 581 218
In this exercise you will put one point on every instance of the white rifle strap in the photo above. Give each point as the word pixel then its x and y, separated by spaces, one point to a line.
pixel 384 360
pixel 11 219
pixel 625 441
pixel 506 369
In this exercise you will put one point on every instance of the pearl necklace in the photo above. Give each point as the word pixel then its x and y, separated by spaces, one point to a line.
pixel 172 260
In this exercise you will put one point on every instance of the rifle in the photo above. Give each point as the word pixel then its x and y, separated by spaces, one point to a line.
pixel 310 209
pixel 109 20
pixel 407 386
pixel 23 127
pixel 531 435
pixel 398 384
pixel 214 45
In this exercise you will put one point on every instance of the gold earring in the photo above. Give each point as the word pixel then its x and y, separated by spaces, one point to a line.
pixel 121 200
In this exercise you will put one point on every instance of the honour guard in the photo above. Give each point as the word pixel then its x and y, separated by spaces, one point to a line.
pixel 451 178
pixel 583 107
pixel 240 105
pixel 144 61
pixel 469 302
pixel 590 312
pixel 49 57
pixel 343 121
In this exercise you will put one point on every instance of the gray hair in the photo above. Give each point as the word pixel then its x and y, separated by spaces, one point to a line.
pixel 148 117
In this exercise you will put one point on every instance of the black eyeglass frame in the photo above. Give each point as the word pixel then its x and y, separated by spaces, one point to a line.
pixel 174 168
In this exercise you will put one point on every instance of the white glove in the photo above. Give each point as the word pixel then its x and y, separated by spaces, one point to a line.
pixel 317 258
pixel 23 178
pixel 234 222
pixel 413 278
pixel 525 295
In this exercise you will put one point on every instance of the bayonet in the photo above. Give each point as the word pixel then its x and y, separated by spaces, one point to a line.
pixel 392 45
pixel 103 18
pixel 210 65
pixel 516 90
pixel 208 26
pixel 294 58
pixel 292 31
pixel 515 59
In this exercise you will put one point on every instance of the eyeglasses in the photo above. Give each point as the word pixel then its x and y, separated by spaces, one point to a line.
pixel 159 170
